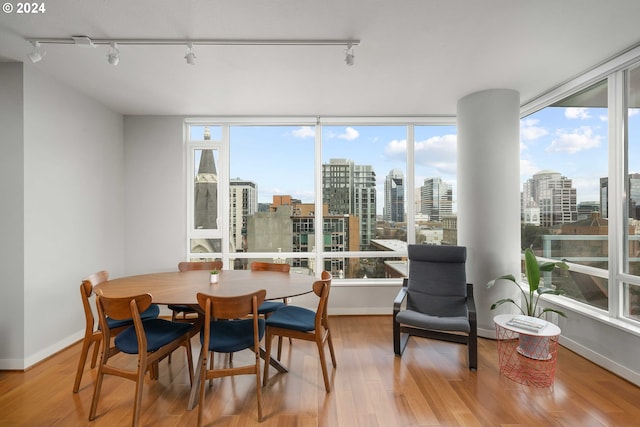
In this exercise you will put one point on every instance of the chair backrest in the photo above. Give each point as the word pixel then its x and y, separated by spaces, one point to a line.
pixel 123 308
pixel 270 266
pixel 322 288
pixel 437 282
pixel 197 265
pixel 234 307
pixel 86 292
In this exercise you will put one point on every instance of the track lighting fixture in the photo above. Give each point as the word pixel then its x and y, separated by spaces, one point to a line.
pixel 38 52
pixel 114 54
pixel 190 56
pixel 349 56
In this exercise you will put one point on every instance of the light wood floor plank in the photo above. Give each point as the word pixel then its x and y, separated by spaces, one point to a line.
pixel 430 385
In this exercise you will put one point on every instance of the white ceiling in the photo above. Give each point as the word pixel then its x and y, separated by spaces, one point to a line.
pixel 416 57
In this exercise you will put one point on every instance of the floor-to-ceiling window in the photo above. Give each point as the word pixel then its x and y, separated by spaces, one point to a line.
pixel 564 190
pixel 331 196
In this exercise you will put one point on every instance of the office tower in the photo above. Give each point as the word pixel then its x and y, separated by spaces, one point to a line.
pixel 394 196
pixel 436 198
pixel 587 209
pixel 350 189
pixel 632 189
pixel 243 202
pixel 554 195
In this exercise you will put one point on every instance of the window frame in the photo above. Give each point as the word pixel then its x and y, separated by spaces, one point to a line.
pixel 319 257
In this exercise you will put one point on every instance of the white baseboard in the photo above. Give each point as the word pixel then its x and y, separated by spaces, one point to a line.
pixel 22 364
pixel 600 360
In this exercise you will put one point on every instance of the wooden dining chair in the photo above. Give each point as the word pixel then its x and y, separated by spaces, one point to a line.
pixel 268 307
pixel 302 323
pixel 92 333
pixel 150 339
pixel 231 324
pixel 186 310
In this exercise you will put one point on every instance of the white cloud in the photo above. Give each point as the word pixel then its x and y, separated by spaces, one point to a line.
pixel 529 130
pixel 579 139
pixel 438 152
pixel 304 132
pixel 528 168
pixel 576 113
pixel 349 134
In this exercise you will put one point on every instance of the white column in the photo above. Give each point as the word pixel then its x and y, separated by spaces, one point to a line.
pixel 489 195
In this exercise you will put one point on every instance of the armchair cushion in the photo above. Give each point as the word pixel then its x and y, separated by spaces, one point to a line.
pixel 425 321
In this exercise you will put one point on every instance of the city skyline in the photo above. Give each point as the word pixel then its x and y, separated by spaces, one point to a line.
pixel 568 140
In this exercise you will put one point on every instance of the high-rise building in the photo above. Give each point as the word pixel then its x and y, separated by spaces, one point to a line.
pixel 243 202
pixel 587 209
pixel 394 196
pixel 554 195
pixel 350 189
pixel 436 198
pixel 633 190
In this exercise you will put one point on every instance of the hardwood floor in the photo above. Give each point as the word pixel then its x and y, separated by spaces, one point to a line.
pixel 429 386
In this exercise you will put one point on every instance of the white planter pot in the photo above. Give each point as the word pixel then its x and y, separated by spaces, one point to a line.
pixel 534 347
pixel 213 278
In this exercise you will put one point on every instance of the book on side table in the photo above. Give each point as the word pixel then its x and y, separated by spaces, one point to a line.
pixel 529 323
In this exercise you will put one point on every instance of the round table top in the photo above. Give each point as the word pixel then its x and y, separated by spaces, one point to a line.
pixel 181 287
pixel 549 329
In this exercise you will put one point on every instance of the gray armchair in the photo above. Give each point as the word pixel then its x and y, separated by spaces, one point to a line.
pixel 435 300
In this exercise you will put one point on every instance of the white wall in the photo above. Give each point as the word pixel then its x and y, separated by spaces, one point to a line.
pixel 11 216
pixel 155 194
pixel 73 210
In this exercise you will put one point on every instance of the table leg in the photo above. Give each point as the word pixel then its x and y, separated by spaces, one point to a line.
pixel 274 362
pixel 195 387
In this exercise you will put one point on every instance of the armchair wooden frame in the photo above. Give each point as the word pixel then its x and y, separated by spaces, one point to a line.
pixel 401 333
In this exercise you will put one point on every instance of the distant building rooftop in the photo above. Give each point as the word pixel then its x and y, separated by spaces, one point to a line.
pixel 390 244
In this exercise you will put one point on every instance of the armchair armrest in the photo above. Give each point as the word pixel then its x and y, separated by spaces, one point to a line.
pixel 402 294
pixel 471 303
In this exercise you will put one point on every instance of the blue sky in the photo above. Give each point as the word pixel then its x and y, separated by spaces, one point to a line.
pixel 280 159
pixel 571 141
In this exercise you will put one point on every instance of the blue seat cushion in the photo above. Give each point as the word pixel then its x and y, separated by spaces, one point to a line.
pixel 182 308
pixel 159 332
pixel 269 307
pixel 150 313
pixel 293 317
pixel 229 336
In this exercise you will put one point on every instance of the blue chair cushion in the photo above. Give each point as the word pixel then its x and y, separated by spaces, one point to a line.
pixel 182 308
pixel 293 317
pixel 229 336
pixel 150 313
pixel 159 332
pixel 269 307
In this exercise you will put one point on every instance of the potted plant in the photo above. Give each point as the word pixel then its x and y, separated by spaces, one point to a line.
pixel 529 303
pixel 213 277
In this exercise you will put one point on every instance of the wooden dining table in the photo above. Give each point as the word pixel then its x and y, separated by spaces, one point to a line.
pixel 181 287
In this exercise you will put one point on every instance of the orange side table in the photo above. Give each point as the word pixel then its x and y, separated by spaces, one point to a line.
pixel 524 356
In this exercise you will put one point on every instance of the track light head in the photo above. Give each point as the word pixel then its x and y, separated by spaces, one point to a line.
pixel 114 54
pixel 349 55
pixel 190 57
pixel 37 54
